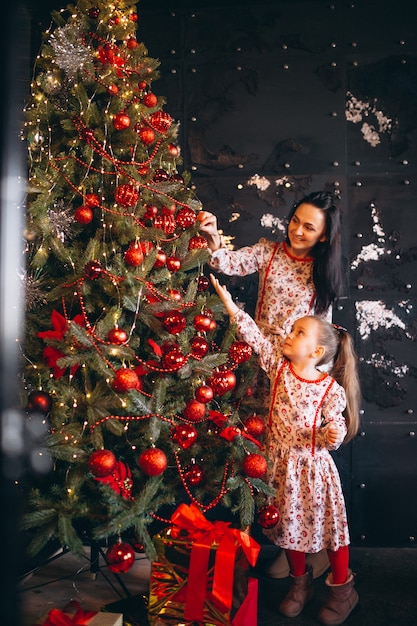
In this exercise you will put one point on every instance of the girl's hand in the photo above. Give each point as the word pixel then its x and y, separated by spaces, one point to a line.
pixel 208 228
pixel 333 436
pixel 225 296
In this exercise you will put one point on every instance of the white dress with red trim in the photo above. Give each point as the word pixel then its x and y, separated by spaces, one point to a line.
pixel 308 490
pixel 286 289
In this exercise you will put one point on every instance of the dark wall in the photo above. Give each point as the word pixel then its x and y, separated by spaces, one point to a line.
pixel 277 99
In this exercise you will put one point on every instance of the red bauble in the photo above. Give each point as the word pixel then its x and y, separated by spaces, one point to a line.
pixel 175 294
pixel 194 410
pixel 150 100
pixel 113 90
pixel 199 347
pixel 153 462
pixel 184 435
pixel 102 463
pixel 117 335
pixel 202 322
pixel 131 43
pixel 166 223
pixel 268 516
pixel 93 270
pixel 146 135
pixel 240 351
pixel 161 259
pixel 121 121
pixel 197 242
pixel 133 17
pixel 186 218
pixel 204 393
pixel 174 322
pixel 254 465
pixel 92 200
pixel 173 263
pixel 83 215
pixel 173 149
pixel 193 474
pixel 203 283
pixel 160 176
pixel 39 402
pixel 254 426
pixel 142 84
pixel 222 382
pixel 174 359
pixel 126 195
pixel 161 121
pixel 125 379
pixel 134 255
pixel 120 557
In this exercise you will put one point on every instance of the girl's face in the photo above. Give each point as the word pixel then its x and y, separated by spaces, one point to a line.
pixel 307 227
pixel 303 340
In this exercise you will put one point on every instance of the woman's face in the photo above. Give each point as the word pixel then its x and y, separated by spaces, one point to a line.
pixel 307 227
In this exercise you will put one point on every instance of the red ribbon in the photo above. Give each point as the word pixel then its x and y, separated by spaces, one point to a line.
pixel 203 535
pixel 64 618
pixel 230 432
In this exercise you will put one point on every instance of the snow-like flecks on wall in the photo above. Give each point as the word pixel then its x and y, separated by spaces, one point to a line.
pixel 374 122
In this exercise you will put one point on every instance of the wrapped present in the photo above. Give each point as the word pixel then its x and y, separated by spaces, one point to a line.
pixel 201 572
pixel 74 615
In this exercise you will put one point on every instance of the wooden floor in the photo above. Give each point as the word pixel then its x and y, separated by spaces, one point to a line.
pixel 386 580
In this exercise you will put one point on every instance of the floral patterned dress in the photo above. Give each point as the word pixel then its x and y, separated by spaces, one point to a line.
pixel 286 289
pixel 308 490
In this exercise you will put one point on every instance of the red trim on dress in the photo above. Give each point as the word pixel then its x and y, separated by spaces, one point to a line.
pixel 304 259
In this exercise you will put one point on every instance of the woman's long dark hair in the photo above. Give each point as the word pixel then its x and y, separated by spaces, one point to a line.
pixel 327 267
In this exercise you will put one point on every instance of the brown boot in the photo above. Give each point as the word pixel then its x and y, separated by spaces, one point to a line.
pixel 300 593
pixel 340 602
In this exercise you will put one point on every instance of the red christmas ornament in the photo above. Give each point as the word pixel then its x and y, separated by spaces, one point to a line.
pixel 133 17
pixel 174 322
pixel 166 223
pixel 193 474
pixel 173 263
pixel 83 215
pixel 222 382
pixel 194 410
pixel 39 402
pixel 120 557
pixel 92 200
pixel 204 393
pixel 161 121
pixel 175 294
pixel 113 90
pixel 94 12
pixel 117 335
pixel 186 218
pixel 121 121
pixel 174 359
pixel 160 176
pixel 142 84
pixel 240 351
pixel 268 516
pixel 184 435
pixel 177 178
pixel 126 195
pixel 254 465
pixel 102 462
pixel 161 259
pixel 199 347
pixel 203 283
pixel 153 461
pixel 146 135
pixel 93 270
pixel 254 426
pixel 134 255
pixel 125 379
pixel 173 150
pixel 131 43
pixel 169 210
pixel 150 100
pixel 202 322
pixel 197 242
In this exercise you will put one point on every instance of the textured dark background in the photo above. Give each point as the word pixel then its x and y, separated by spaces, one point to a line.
pixel 302 96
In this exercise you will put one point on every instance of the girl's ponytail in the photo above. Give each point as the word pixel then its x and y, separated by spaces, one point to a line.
pixel 345 371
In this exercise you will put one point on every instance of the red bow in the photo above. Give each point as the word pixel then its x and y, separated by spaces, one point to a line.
pixel 52 354
pixel 230 432
pixel 203 535
pixel 65 618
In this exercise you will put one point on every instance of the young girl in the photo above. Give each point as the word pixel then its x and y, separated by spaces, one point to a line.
pixel 299 276
pixel 311 412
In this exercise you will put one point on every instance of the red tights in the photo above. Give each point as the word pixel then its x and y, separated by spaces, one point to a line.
pixel 339 562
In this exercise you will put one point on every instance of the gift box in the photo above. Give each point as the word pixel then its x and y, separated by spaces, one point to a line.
pixel 74 615
pixel 201 573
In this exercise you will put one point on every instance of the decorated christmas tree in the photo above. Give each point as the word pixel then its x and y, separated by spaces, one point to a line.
pixel 128 357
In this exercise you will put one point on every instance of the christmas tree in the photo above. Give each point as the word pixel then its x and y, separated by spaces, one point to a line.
pixel 128 358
